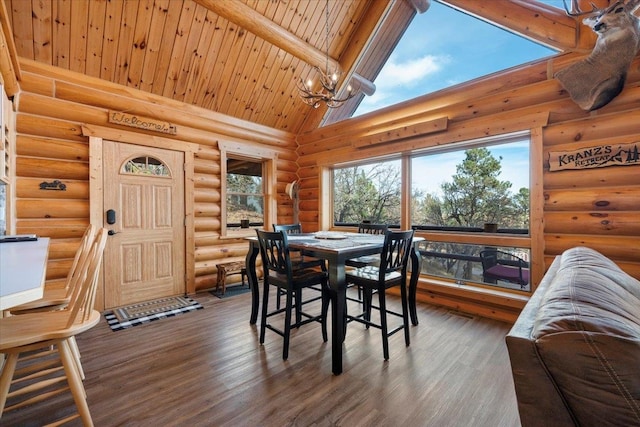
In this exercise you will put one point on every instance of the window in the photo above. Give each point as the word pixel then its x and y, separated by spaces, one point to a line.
pixel 471 185
pixel 467 263
pixel 146 166
pixel 245 194
pixel 369 192
pixel 248 188
pixel 444 47
pixel 471 193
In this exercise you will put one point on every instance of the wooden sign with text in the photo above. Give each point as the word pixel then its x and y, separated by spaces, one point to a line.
pixel 141 122
pixel 596 157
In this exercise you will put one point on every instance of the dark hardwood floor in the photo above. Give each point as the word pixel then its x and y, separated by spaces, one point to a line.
pixel 207 368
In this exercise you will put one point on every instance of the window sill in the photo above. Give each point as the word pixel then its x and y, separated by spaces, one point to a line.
pixel 239 234
pixel 491 303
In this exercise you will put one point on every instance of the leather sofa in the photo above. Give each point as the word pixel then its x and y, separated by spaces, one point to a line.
pixel 575 348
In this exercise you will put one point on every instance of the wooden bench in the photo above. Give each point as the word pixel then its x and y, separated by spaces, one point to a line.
pixel 228 268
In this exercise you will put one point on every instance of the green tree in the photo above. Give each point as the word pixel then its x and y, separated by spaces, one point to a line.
pixel 367 193
pixel 476 195
pixel 244 198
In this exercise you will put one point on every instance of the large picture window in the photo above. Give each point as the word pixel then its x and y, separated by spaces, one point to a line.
pixel 478 189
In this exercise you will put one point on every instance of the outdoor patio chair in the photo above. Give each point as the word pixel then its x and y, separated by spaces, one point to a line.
pixel 500 265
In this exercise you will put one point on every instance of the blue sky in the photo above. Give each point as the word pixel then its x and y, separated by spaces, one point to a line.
pixel 441 48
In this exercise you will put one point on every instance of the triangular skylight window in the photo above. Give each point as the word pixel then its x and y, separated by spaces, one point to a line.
pixel 444 47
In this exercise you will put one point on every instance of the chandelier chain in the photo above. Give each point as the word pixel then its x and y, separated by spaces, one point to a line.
pixel 328 80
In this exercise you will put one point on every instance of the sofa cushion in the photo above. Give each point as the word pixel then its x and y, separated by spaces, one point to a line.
pixel 587 335
pixel 589 293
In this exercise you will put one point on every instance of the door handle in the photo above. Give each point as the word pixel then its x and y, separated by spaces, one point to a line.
pixel 112 232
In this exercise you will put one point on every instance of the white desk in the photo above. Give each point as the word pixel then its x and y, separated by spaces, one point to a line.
pixel 23 267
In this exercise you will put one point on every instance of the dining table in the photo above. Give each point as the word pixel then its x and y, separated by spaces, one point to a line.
pixel 23 267
pixel 336 248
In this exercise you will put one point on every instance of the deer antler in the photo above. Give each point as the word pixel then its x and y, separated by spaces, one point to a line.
pixel 575 6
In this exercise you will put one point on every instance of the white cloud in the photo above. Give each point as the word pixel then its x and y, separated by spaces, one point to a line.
pixel 396 76
pixel 410 72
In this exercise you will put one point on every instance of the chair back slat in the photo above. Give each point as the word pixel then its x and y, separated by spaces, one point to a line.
pixel 80 256
pixel 274 249
pixel 369 228
pixel 288 228
pixel 395 252
pixel 83 297
pixel 489 258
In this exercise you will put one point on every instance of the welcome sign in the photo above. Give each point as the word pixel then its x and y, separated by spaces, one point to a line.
pixel 596 157
pixel 141 122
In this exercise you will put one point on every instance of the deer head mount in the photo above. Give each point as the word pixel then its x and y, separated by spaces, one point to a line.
pixel 593 82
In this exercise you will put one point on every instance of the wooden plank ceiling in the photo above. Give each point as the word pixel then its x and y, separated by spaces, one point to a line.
pixel 182 49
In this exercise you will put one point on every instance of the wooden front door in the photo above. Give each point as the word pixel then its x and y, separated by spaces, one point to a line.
pixel 144 201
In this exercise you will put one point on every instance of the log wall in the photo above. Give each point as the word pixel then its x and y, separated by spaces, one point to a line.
pixel 51 108
pixel 596 207
pixel 599 207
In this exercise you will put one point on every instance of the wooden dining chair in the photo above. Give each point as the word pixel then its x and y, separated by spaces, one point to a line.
pixel 391 272
pixel 367 228
pixel 299 260
pixel 53 329
pixel 57 298
pixel 363 261
pixel 279 272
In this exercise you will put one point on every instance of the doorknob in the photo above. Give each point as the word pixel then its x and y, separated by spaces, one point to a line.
pixel 111 232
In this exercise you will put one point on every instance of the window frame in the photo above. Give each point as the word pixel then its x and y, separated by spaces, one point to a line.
pixel 259 194
pixel 268 158
pixel 536 202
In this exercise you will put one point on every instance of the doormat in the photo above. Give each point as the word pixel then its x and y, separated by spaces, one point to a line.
pixel 148 311
pixel 231 291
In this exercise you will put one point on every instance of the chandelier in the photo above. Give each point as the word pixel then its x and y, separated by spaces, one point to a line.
pixel 328 80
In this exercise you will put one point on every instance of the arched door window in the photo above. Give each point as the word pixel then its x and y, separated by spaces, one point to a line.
pixel 145 165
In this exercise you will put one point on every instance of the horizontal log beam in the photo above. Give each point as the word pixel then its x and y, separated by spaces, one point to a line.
pixel 609 223
pixel 86 90
pixel 428 127
pixel 618 248
pixel 593 199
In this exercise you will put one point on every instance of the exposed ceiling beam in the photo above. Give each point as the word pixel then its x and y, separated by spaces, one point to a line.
pixel 247 18
pixel 9 67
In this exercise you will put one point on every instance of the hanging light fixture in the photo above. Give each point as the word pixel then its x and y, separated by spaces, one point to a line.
pixel 328 80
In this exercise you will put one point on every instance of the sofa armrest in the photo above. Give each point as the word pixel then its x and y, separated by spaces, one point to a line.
pixel 539 401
